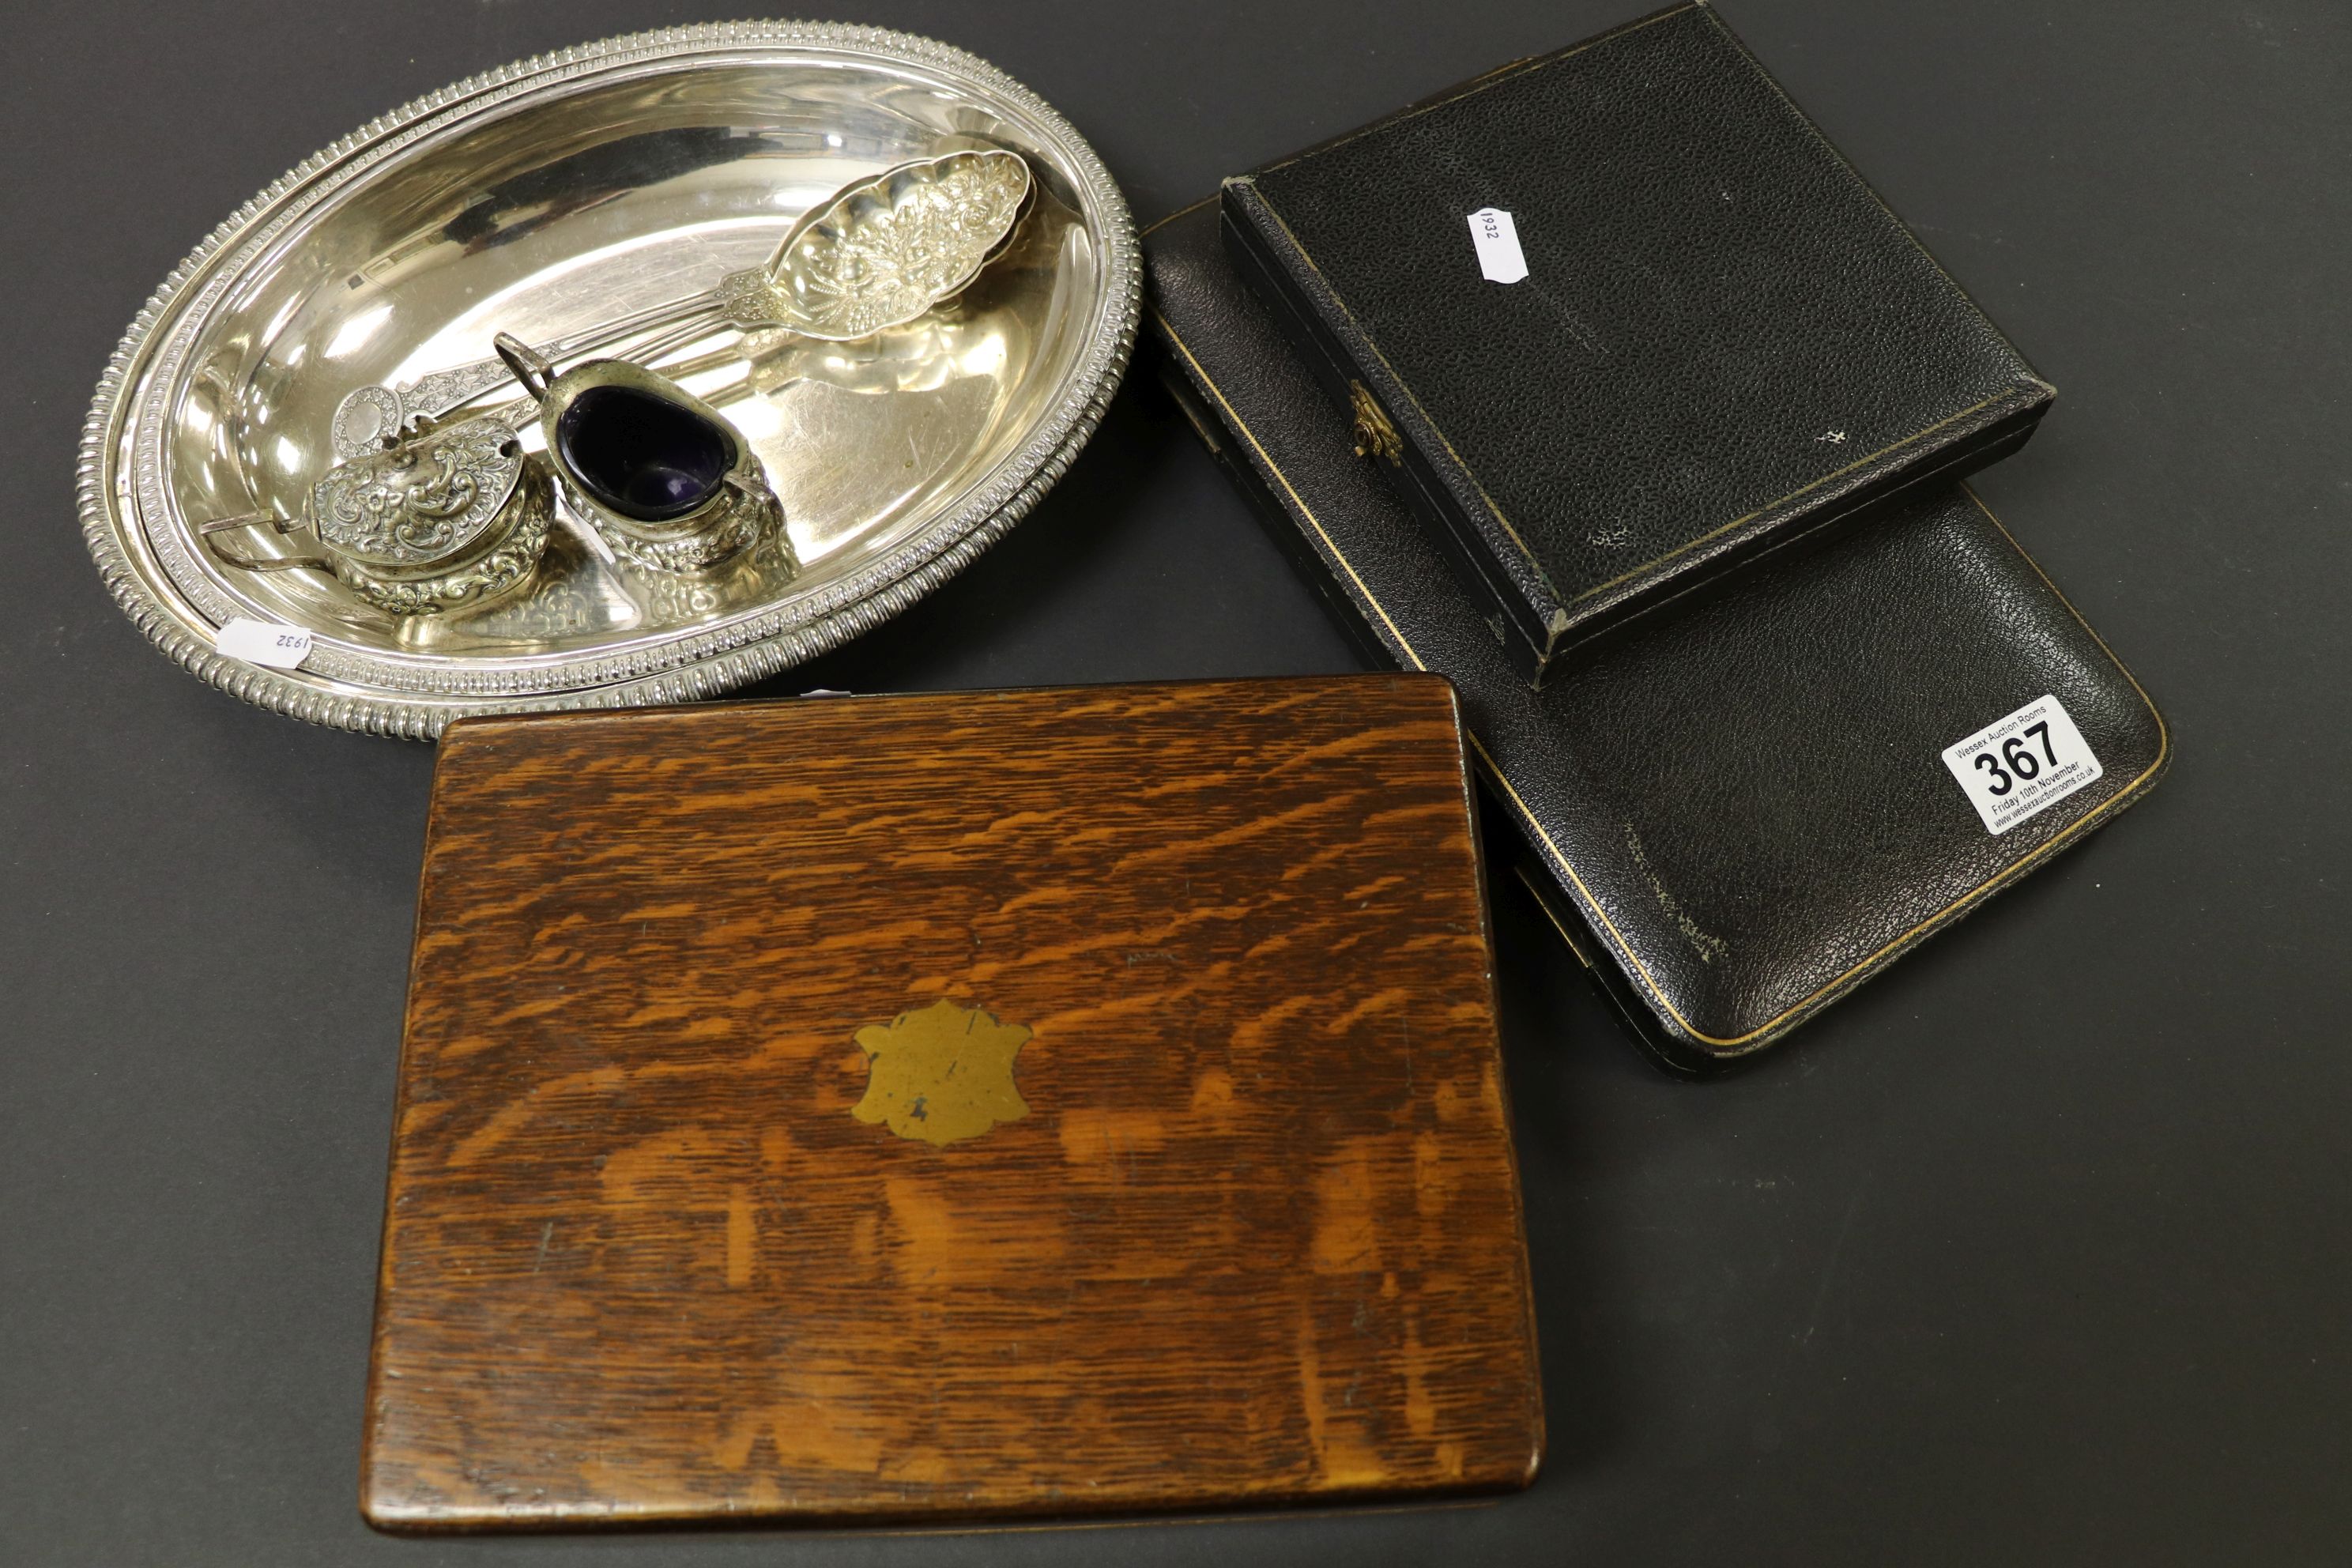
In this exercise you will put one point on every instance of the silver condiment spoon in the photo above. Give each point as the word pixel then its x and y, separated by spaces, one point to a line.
pixel 877 253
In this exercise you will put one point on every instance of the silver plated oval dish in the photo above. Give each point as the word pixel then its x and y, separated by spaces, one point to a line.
pixel 579 188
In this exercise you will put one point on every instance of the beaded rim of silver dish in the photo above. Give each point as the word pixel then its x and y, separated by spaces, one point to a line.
pixel 419 703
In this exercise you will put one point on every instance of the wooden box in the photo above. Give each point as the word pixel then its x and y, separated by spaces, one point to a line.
pixel 942 1107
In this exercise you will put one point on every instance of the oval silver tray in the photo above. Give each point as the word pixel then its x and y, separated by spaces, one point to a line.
pixel 548 197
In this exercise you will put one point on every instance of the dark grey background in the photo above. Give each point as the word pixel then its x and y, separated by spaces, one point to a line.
pixel 2032 1251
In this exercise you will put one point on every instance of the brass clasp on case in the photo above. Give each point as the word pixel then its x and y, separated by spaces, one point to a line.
pixel 1375 437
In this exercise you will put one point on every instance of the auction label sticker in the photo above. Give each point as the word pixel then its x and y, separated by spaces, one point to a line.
pixel 1500 260
pixel 263 642
pixel 2020 767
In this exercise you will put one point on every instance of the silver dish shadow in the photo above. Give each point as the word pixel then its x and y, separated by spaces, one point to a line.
pixel 553 194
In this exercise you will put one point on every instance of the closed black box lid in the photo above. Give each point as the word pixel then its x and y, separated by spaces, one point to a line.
pixel 1723 339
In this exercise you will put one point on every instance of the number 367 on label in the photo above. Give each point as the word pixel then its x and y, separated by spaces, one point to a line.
pixel 2017 767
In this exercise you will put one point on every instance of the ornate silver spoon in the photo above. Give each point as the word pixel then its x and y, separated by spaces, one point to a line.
pixel 877 254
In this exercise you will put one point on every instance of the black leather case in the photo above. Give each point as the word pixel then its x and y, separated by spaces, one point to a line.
pixel 1736 812
pixel 1724 341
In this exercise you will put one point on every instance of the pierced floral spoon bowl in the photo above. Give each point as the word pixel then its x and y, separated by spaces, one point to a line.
pixel 879 253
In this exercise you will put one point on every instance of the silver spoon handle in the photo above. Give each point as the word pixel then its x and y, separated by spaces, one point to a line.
pixel 519 411
pixel 368 416
pixel 435 394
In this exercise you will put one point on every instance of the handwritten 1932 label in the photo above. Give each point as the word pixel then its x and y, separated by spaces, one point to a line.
pixel 2017 767
pixel 263 642
pixel 1500 260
